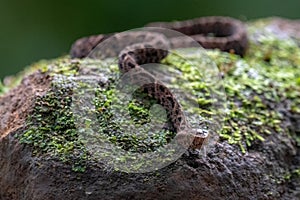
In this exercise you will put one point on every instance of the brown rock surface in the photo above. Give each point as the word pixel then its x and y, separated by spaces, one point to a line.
pixel 224 173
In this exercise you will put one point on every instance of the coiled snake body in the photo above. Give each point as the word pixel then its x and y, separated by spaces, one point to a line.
pixel 150 47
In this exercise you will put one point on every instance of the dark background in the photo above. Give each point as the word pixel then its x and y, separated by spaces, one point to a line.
pixel 34 29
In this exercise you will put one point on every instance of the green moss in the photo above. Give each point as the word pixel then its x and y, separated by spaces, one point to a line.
pixel 252 85
pixel 56 66
pixel 297 172
pixel 51 128
pixel 248 117
pixel 269 75
pixel 115 129
pixel 289 176
pixel 13 81
pixel 3 88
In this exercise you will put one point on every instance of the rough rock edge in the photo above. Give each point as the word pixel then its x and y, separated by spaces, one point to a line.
pixel 15 108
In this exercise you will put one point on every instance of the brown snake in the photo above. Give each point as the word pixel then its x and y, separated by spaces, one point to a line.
pixel 151 47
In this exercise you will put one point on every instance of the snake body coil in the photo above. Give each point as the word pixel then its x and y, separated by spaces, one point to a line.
pixel 224 33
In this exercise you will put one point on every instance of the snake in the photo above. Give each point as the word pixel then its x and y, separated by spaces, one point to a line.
pixel 134 49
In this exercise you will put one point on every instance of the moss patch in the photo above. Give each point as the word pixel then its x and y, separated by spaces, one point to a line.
pixel 51 128
pixel 268 75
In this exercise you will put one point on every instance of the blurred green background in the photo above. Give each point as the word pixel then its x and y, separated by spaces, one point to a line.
pixel 32 30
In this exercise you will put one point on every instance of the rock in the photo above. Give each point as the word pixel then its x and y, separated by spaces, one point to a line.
pixel 254 154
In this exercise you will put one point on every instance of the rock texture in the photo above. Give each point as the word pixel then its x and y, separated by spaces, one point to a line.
pixel 269 169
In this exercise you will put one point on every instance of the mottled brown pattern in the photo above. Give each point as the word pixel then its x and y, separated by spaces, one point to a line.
pixel 141 47
pixel 135 55
pixel 224 33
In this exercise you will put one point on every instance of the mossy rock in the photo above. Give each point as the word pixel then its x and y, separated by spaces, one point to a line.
pixel 250 106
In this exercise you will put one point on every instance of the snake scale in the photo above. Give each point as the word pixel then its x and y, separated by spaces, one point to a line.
pixel 224 33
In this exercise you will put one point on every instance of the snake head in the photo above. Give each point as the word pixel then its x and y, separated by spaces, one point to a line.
pixel 192 139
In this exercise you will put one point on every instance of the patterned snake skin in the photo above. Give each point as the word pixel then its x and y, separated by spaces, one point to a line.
pixel 150 47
